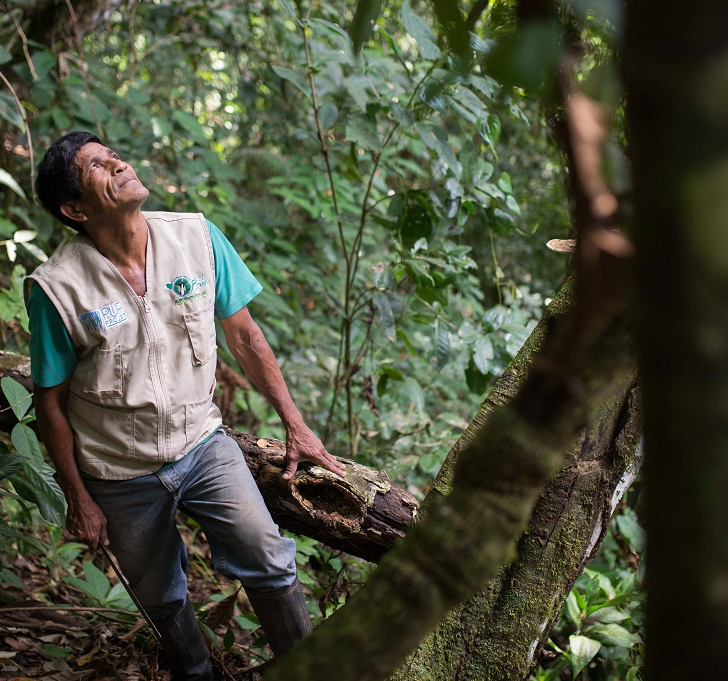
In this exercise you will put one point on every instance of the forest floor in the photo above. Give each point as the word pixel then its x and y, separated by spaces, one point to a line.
pixel 51 630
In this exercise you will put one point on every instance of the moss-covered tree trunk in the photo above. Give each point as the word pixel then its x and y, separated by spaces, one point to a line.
pixel 496 634
pixel 677 80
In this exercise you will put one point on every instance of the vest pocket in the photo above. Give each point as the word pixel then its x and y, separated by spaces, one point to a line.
pixel 196 416
pixel 201 330
pixel 105 375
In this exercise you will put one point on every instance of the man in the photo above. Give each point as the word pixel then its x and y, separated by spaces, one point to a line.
pixel 123 360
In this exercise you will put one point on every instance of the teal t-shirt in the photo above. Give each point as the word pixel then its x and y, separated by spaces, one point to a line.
pixel 53 355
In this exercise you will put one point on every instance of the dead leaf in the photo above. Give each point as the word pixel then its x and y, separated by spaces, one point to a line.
pixel 221 612
pixel 23 644
pixel 263 443
pixel 85 659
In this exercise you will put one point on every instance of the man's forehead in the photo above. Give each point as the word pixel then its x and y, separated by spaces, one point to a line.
pixel 91 150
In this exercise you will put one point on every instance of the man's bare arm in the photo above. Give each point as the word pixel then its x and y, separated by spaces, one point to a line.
pixel 85 521
pixel 251 350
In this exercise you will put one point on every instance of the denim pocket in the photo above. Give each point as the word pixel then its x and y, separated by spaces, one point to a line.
pixel 201 331
pixel 105 375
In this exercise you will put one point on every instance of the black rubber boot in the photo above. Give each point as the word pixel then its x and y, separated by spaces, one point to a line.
pixel 188 654
pixel 283 615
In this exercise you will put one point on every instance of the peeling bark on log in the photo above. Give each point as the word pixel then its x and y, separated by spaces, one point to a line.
pixel 363 514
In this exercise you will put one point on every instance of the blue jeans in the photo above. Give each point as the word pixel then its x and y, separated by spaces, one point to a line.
pixel 213 485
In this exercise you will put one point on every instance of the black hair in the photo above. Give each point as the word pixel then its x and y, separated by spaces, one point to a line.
pixel 57 181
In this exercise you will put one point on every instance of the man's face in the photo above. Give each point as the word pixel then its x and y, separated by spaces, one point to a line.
pixel 108 185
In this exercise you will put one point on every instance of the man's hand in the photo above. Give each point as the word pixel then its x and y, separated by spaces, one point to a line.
pixel 86 523
pixel 303 445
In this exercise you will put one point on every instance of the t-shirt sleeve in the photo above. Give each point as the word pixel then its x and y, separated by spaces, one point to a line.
pixel 53 356
pixel 235 286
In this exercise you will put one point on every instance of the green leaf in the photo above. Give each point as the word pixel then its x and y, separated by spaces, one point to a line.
pixel 363 133
pixel 190 124
pixel 119 598
pixel 38 486
pixel 483 353
pixel 385 315
pixel 9 463
pixel 7 179
pixel 11 578
pixel 161 126
pixel 366 14
pixel 529 58
pixel 513 204
pixel 97 580
pixel 61 118
pixel 614 635
pixel 248 622
pixel 441 344
pixel 430 463
pixel 477 381
pixel 288 6
pixel 630 529
pixel 328 113
pixel 26 443
pixel 504 182
pixel 573 611
pixel 53 650
pixel 228 641
pixel 9 111
pixel 18 397
pixel 582 651
pixel 5 56
pixel 607 614
pixel 391 372
pixel 414 393
pixel 415 224
pixel 419 29
pixel 432 93
pixel 43 62
pixel 292 77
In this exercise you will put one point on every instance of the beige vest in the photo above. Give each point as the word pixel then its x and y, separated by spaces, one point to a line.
pixel 141 394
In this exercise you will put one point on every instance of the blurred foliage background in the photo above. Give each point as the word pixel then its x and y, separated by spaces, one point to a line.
pixel 394 202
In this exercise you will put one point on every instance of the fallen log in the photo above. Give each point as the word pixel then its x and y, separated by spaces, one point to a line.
pixel 363 514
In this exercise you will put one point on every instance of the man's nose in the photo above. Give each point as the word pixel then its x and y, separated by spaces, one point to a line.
pixel 119 166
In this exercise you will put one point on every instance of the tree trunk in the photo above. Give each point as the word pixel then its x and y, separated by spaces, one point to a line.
pixel 674 65
pixel 498 633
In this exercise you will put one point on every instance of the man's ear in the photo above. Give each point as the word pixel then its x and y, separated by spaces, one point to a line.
pixel 73 211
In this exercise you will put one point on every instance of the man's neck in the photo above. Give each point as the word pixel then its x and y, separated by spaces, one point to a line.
pixel 123 241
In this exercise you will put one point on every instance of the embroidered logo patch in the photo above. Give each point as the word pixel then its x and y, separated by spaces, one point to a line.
pixel 187 288
pixel 104 318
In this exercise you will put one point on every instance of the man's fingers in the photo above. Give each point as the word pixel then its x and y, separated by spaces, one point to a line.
pixel 290 469
pixel 334 465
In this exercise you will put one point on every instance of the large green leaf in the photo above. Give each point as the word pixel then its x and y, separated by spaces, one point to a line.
pixel 362 25
pixel 9 463
pixel 420 30
pixel 39 487
pixel 26 444
pixel 18 397
pixel 583 651
pixel 296 79
pixel 363 133
pixel 9 181
pixel 613 635
pixel 630 529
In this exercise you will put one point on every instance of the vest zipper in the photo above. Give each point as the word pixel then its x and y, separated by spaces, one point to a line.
pixel 160 392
